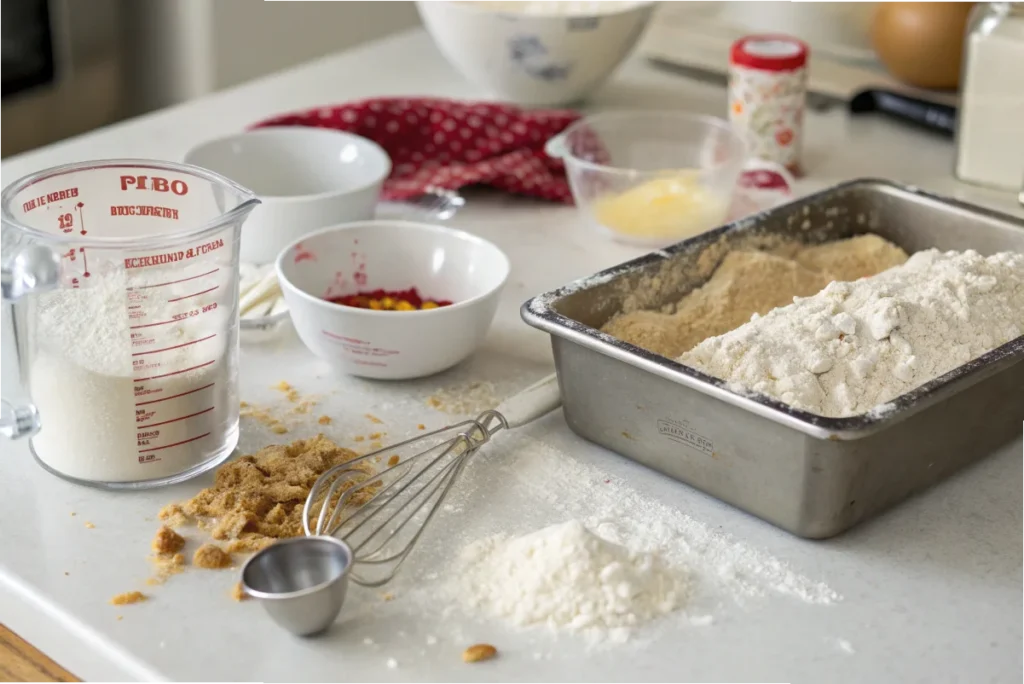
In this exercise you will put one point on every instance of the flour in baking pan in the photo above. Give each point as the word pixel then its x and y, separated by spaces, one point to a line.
pixel 857 345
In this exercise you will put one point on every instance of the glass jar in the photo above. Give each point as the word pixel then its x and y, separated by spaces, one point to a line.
pixel 990 137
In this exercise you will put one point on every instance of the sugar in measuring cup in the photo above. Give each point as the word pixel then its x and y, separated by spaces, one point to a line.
pixel 123 278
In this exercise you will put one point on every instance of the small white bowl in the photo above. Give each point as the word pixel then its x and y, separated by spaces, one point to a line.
pixel 442 263
pixel 306 178
pixel 530 54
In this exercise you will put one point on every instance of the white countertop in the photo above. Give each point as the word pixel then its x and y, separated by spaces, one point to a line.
pixel 931 590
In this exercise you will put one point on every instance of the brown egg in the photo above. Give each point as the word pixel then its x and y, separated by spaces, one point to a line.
pixel 921 43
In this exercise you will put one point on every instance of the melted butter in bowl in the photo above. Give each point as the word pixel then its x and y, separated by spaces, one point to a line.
pixel 671 206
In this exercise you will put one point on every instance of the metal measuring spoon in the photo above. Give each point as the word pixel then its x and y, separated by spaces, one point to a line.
pixel 301 582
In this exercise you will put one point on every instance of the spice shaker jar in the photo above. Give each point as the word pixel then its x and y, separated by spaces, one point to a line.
pixel 767 95
pixel 990 136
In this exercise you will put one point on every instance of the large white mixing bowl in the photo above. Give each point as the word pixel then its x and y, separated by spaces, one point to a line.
pixel 532 54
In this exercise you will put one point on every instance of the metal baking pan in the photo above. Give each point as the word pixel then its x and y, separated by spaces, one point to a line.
pixel 811 475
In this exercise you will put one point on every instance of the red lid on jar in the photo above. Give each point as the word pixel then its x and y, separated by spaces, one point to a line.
pixel 769 52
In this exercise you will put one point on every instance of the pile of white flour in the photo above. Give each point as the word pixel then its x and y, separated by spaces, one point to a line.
pixel 567 578
pixel 126 393
pixel 855 346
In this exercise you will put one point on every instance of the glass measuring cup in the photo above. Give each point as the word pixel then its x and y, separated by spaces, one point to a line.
pixel 123 280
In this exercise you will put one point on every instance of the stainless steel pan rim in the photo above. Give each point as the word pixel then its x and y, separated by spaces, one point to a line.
pixel 540 312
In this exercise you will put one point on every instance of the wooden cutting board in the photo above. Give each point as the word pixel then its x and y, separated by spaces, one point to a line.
pixel 21 662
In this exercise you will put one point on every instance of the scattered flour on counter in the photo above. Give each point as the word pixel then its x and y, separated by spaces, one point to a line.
pixel 619 514
pixel 856 345
pixel 567 578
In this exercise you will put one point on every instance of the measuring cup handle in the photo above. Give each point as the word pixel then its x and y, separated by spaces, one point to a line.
pixel 18 421
pixel 32 269
pixel 35 268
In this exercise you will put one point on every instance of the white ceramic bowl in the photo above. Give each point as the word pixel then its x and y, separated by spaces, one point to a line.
pixel 306 178
pixel 442 263
pixel 535 59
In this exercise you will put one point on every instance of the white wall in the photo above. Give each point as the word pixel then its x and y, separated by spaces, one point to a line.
pixel 254 37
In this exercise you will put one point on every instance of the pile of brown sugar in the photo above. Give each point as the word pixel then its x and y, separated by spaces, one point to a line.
pixel 748 282
pixel 258 499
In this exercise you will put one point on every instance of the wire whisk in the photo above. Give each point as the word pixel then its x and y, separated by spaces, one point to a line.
pixel 381 515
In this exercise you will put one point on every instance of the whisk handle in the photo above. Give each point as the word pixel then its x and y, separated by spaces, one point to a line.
pixel 535 401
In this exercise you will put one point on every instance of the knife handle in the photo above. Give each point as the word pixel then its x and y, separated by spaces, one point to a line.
pixel 939 118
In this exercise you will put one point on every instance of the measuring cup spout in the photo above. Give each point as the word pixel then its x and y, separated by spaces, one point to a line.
pixel 247 202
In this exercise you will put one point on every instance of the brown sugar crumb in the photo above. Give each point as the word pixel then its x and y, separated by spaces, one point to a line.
pixel 120 617
pixel 260 415
pixel 173 515
pixel 211 557
pixel 257 499
pixel 290 393
pixel 358 438
pixel 73 514
pixel 471 398
pixel 479 652
pixel 89 525
pixel 376 435
pixel 167 541
pixel 373 419
pixel 324 420
pixel 376 445
pixel 231 525
pixel 128 598
pixel 238 592
pixel 249 543
pixel 278 429
pixel 421 426
pixel 304 406
pixel 243 404
pixel 393 461
pixel 388 596
pixel 166 565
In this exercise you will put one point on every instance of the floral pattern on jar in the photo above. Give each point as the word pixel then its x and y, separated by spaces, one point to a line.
pixel 767 104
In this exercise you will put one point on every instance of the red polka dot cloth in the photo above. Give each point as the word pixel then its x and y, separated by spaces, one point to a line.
pixel 449 144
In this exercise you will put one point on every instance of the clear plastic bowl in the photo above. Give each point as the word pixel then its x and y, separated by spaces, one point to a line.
pixel 652 178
